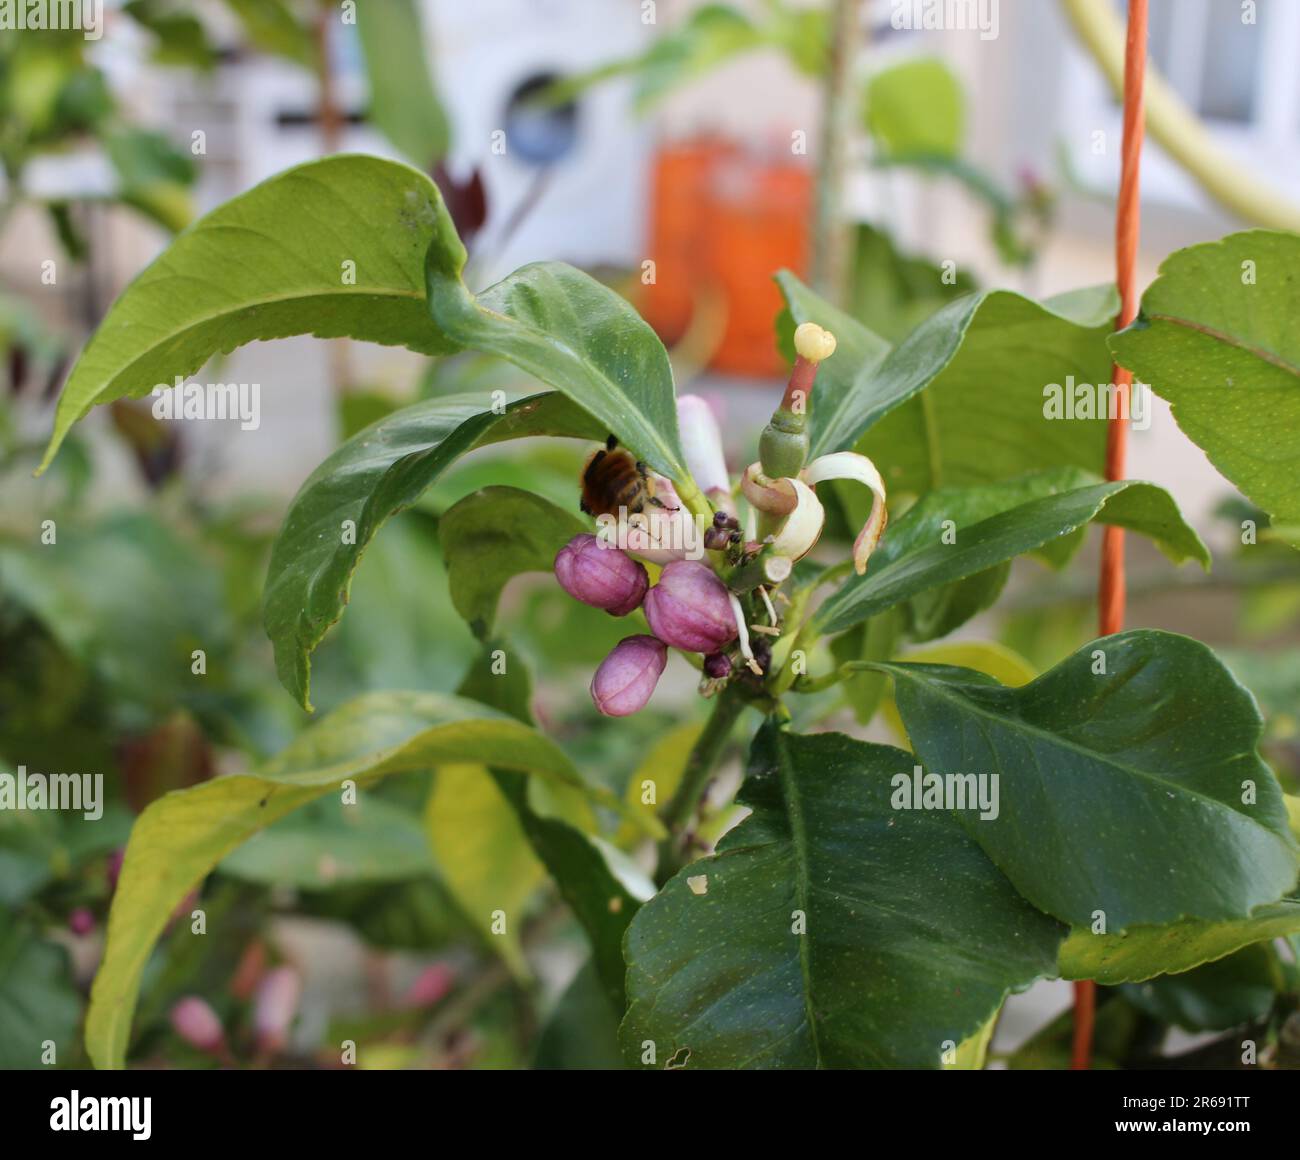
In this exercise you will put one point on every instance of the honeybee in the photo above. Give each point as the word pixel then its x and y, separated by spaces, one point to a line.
pixel 612 479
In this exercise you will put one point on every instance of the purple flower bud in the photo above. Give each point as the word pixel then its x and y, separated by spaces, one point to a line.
pixel 628 676
pixel 197 1023
pixel 81 921
pixel 275 1006
pixel 717 666
pixel 604 577
pixel 689 608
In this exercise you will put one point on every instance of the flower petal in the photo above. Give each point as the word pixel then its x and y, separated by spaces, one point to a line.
pixel 702 445
pixel 803 526
pixel 851 465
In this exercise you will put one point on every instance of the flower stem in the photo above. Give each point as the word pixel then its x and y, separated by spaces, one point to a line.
pixel 703 757
pixel 830 251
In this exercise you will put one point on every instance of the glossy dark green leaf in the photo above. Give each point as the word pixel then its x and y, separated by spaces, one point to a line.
pixel 922 551
pixel 979 366
pixel 574 334
pixel 1216 337
pixel 1228 993
pixel 493 535
pixel 379 471
pixel 1132 794
pixel 912 938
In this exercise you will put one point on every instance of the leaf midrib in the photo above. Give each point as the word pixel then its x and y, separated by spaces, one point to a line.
pixel 1258 352
pixel 799 840
pixel 947 694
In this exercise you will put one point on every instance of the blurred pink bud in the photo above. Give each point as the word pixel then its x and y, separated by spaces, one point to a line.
pixel 600 575
pixel 717 666
pixel 689 608
pixel 274 1007
pixel 432 985
pixel 81 921
pixel 628 676
pixel 197 1023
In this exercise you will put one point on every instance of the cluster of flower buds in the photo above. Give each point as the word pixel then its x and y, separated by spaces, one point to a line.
pixel 713 606
pixel 689 609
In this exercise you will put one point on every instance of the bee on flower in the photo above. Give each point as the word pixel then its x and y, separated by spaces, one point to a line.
pixel 717 592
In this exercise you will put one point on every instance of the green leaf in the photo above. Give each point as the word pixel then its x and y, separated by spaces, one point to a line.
pixel 38 1001
pixel 403 102
pixel 918 553
pixel 585 871
pixel 913 938
pixel 1228 993
pixel 375 474
pixel 892 292
pixel 916 107
pixel 181 837
pixel 180 38
pixel 401 631
pixel 968 382
pixel 484 857
pixel 664 765
pixel 1121 791
pixel 321 846
pixel 582 1031
pixel 154 175
pixel 1216 337
pixel 269 264
pixel 272 27
pixel 575 335
pixel 984 367
pixel 709 36
pixel 1142 952
pixel 131 599
pixel 492 536
pixel 875 640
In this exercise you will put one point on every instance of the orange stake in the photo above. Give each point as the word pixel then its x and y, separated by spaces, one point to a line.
pixel 1110 590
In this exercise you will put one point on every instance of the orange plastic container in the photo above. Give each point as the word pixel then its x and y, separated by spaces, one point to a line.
pixel 722 222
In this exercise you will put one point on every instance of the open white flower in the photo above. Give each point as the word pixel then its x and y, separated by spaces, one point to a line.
pixel 851 465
